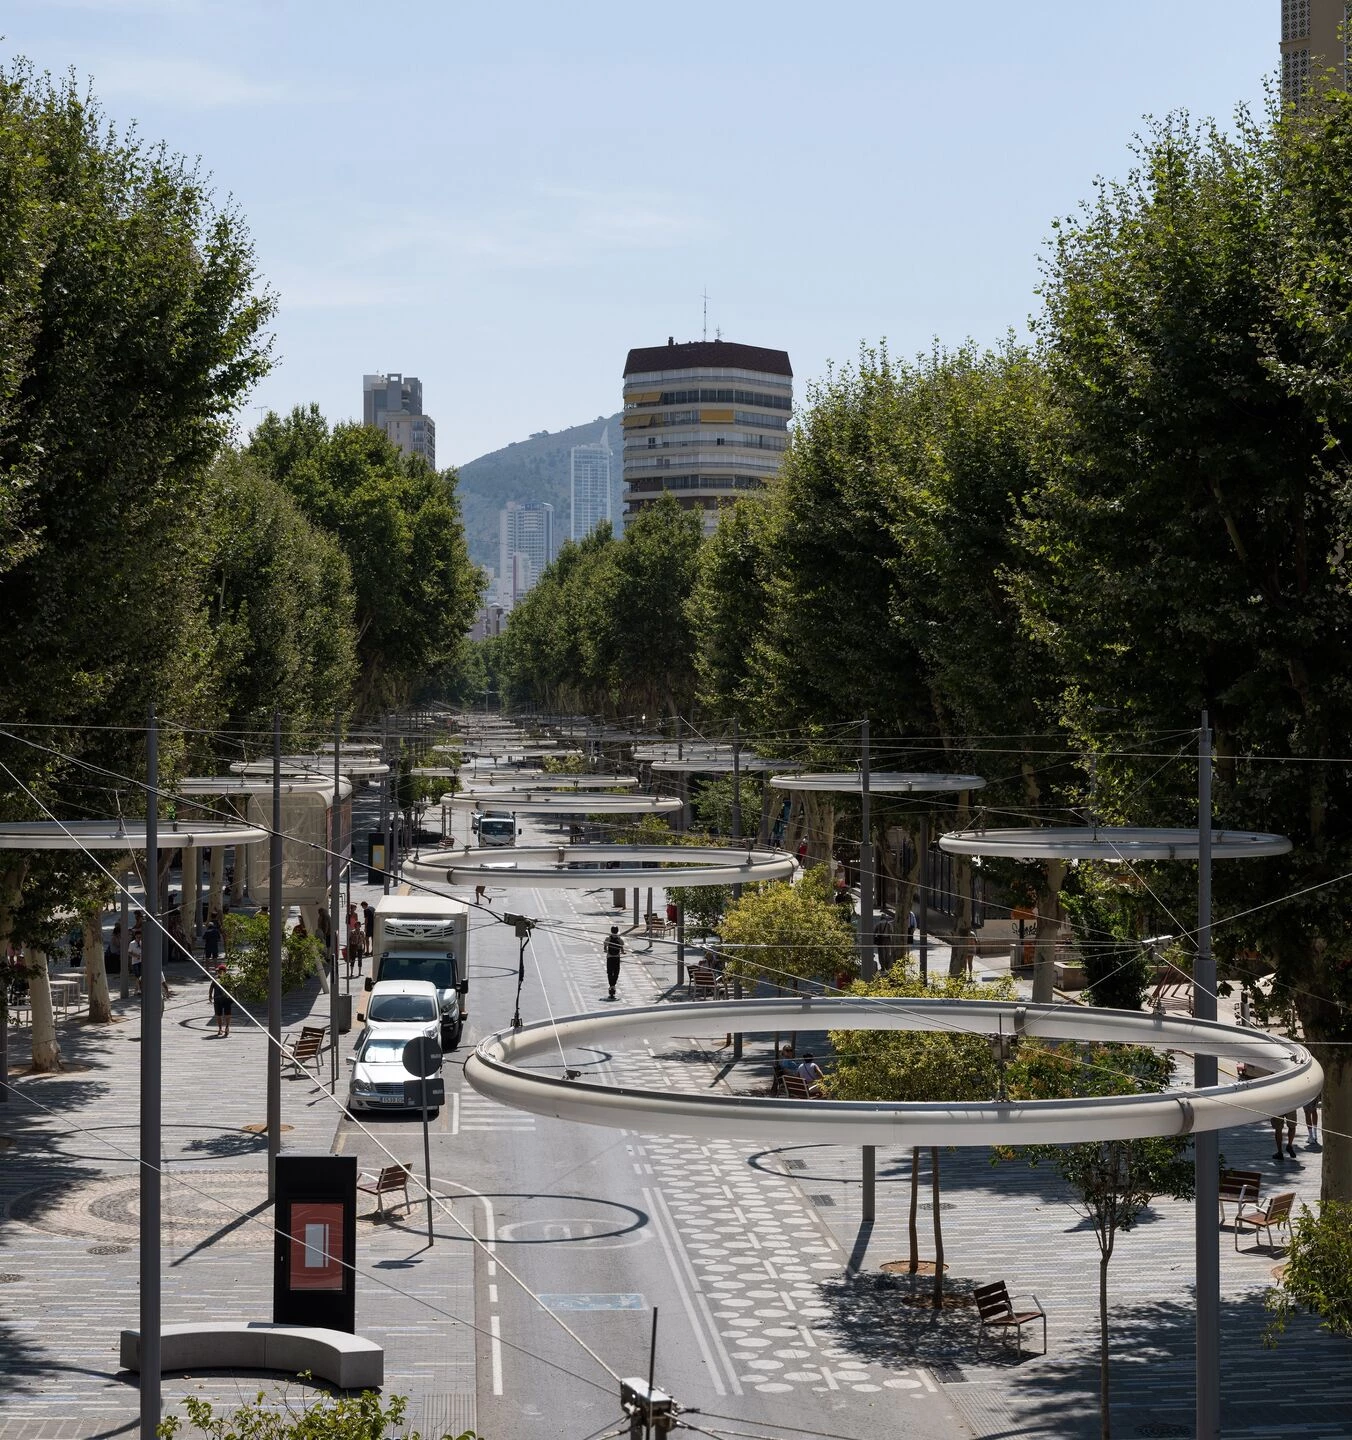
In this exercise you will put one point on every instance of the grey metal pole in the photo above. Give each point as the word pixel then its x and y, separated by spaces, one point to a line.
pixel 124 972
pixel 923 915
pixel 1206 1147
pixel 865 862
pixel 395 816
pixel 275 961
pixel 680 946
pixel 870 1185
pixel 152 1005
pixel 736 780
pixel 337 927
pixel 385 804
pixel 427 1157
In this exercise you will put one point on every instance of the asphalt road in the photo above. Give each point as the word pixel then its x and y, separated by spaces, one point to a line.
pixel 588 1233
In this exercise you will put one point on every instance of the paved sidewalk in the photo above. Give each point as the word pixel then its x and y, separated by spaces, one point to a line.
pixel 68 1224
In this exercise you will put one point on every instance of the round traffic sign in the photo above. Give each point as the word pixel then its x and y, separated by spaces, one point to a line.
pixel 422 1056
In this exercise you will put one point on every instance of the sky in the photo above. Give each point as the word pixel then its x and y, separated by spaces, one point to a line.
pixel 503 199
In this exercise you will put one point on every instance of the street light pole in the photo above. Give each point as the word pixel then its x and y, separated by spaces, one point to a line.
pixel 1206 1152
pixel 865 862
pixel 336 928
pixel 152 1004
pixel 275 961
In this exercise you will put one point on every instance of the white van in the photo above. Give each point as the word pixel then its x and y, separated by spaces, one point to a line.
pixel 425 937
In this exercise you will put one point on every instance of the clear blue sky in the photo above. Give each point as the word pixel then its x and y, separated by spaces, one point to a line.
pixel 502 199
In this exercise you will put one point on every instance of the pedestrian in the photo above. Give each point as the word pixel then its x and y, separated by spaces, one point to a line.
pixel 134 956
pixel 368 916
pixel 480 892
pixel 1278 1123
pixel 802 853
pixel 811 1074
pixel 614 949
pixel 220 1003
pixel 211 940
pixel 1291 1133
pixel 912 925
pixel 354 945
pixel 1312 1123
pixel 300 926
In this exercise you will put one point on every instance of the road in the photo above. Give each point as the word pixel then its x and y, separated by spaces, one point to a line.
pixel 587 1233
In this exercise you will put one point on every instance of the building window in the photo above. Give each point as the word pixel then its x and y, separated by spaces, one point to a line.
pixel 1295 19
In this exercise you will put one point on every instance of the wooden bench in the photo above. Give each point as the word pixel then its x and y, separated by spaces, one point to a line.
pixel 705 980
pixel 658 926
pixel 349 1361
pixel 998 1313
pixel 1276 1212
pixel 793 1087
pixel 385 1182
pixel 1239 1188
pixel 306 1047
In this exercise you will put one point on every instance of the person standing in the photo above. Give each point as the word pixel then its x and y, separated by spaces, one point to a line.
pixel 354 942
pixel 368 924
pixel 220 1004
pixel 211 940
pixel 614 949
pixel 1312 1123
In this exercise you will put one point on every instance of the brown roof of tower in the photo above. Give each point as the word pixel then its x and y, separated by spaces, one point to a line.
pixel 716 354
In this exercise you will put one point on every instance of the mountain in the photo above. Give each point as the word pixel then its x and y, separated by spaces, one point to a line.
pixel 535 469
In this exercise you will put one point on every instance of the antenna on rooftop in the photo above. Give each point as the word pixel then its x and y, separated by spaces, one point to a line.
pixel 706 312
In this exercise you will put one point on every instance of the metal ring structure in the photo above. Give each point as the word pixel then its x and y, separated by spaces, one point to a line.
pixel 317 765
pixel 505 784
pixel 123 834
pixel 583 801
pixel 1110 842
pixel 508 1067
pixel 882 782
pixel 205 786
pixel 581 867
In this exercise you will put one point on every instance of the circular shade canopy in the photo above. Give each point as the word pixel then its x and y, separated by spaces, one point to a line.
pixel 881 782
pixel 320 766
pixel 507 1067
pixel 567 804
pixel 514 782
pixel 122 834
pixel 203 786
pixel 1110 842
pixel 582 867
pixel 712 764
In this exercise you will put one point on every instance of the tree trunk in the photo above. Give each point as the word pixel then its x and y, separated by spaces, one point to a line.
pixel 1049 918
pixel 96 972
pixel 46 1051
pixel 915 1205
pixel 1104 1420
pixel 938 1231
pixel 11 891
pixel 1335 1123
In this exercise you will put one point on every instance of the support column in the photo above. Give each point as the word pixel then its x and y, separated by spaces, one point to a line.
pixel 870 1182
pixel 275 960
pixel 1206 1151
pixel 922 891
pixel 191 909
pixel 337 923
pixel 152 1008
pixel 217 876
pixel 680 946
pixel 865 938
pixel 124 970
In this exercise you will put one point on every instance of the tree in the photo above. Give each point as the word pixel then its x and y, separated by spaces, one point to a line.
pixel 248 952
pixel 918 1065
pixel 1317 1275
pixel 1187 546
pixel 782 932
pixel 1112 1182
pixel 727 606
pixel 398 522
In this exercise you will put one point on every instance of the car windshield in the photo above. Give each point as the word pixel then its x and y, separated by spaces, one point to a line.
pixel 383 1050
pixel 495 827
pixel 401 1007
pixel 405 967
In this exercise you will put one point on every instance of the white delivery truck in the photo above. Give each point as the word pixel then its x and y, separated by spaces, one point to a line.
pixel 497 827
pixel 425 937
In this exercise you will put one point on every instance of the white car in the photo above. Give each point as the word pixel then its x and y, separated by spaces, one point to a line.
pixel 403 1003
pixel 379 1080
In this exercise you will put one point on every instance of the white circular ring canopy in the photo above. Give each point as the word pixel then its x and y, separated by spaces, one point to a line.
pixel 714 764
pixel 582 867
pixel 527 803
pixel 202 786
pixel 507 1067
pixel 882 782
pixel 508 784
pixel 123 834
pixel 320 766
pixel 1110 842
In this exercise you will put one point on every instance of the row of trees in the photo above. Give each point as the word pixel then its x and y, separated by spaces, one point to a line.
pixel 145 555
pixel 1041 562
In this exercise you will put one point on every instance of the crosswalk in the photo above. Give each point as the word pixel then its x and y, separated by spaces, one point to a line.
pixel 474 1113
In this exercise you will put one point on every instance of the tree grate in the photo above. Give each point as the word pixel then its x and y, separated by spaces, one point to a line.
pixel 822 1200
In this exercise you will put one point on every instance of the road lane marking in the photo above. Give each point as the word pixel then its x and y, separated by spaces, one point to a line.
pixel 495 1348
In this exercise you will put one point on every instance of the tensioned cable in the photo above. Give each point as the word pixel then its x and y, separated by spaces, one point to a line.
pixel 365 1130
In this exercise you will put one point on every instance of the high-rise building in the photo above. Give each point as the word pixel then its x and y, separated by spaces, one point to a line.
pixel 1314 46
pixel 589 487
pixel 525 545
pixel 704 421
pixel 393 403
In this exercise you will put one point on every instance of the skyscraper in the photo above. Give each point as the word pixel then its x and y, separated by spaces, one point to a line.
pixel 393 403
pixel 1314 43
pixel 589 488
pixel 525 544
pixel 703 421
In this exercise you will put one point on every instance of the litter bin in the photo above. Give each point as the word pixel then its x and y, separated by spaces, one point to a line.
pixel 617 899
pixel 344 1013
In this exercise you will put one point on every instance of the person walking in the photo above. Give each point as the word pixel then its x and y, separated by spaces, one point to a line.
pixel 368 916
pixel 1312 1123
pixel 211 940
pixel 614 949
pixel 1291 1133
pixel 220 1004
pixel 354 942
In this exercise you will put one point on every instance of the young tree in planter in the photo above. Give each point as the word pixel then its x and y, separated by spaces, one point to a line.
pixel 785 932
pixel 1317 1276
pixel 918 1065
pixel 1112 1182
pixel 343 1417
